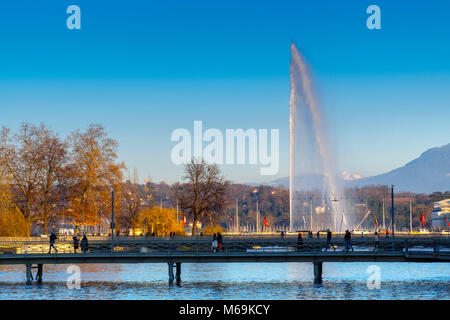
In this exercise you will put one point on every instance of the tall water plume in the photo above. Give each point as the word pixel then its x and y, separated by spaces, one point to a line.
pixel 316 200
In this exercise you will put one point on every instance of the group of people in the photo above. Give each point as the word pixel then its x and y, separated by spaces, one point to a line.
pixel 76 243
pixel 218 245
pixel 217 242
pixel 347 241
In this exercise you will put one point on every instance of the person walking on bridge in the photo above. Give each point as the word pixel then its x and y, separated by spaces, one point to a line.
pixel 84 244
pixel 219 241
pixel 377 242
pixel 329 244
pixel 214 244
pixel 299 242
pixel 348 241
pixel 75 243
pixel 53 238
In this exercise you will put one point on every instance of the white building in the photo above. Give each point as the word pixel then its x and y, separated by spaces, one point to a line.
pixel 440 212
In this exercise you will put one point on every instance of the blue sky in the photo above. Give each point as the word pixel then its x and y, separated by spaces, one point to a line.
pixel 145 68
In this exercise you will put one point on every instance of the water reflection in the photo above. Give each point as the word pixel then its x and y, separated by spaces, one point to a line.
pixel 263 281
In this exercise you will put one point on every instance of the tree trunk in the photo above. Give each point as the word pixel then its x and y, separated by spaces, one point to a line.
pixel 194 226
pixel 45 225
pixel 46 213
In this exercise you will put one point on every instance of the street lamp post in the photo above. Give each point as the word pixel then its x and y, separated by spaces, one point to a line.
pixel 177 209
pixel 236 219
pixel 257 215
pixel 112 222
pixel 410 216
pixel 392 212
pixel 257 210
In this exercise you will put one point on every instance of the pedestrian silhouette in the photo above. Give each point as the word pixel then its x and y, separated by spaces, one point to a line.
pixel 84 244
pixel 214 244
pixel 329 245
pixel 75 243
pixel 377 241
pixel 219 241
pixel 348 241
pixel 53 238
pixel 299 242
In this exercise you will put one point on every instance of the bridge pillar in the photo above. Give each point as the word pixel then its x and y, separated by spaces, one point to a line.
pixel 171 277
pixel 28 272
pixel 39 273
pixel 178 274
pixel 317 272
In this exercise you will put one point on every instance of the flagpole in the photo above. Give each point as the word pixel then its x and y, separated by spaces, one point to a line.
pixel 410 216
pixel 392 211
pixel 257 216
pixel 237 217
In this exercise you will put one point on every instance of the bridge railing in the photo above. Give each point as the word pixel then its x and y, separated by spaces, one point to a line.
pixel 229 245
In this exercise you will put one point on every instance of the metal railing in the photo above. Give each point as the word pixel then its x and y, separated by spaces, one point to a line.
pixel 253 245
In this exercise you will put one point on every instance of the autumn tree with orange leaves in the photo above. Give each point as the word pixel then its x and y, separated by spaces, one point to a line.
pixel 92 174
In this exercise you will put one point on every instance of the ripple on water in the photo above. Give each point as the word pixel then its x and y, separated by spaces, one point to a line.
pixel 264 281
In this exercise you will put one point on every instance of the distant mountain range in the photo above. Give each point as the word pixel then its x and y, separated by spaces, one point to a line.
pixel 428 173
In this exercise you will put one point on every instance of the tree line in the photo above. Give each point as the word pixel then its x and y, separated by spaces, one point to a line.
pixel 44 178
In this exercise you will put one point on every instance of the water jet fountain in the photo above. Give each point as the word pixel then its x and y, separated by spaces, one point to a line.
pixel 316 199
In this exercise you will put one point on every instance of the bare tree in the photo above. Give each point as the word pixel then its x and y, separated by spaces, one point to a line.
pixel 52 178
pixel 21 160
pixel 33 160
pixel 132 201
pixel 204 192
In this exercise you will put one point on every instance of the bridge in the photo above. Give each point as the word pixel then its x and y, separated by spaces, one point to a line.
pixel 184 249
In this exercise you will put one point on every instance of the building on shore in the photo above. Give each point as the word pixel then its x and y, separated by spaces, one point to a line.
pixel 440 216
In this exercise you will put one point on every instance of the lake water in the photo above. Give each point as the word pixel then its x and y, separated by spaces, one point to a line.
pixel 238 281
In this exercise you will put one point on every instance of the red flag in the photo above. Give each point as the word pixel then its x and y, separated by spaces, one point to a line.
pixel 265 222
pixel 446 218
pixel 422 219
pixel 376 221
pixel 184 219
pixel 231 219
